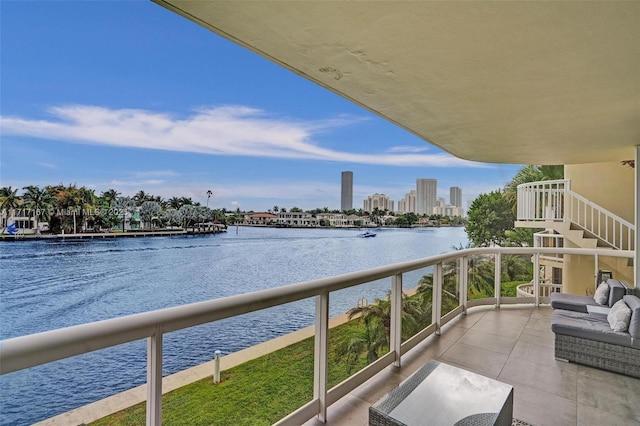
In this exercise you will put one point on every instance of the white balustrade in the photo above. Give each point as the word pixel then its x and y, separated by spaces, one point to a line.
pixel 554 201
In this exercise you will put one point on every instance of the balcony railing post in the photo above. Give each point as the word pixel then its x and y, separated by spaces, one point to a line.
pixel 154 378
pixel 321 358
pixel 396 317
pixel 436 304
pixel 498 273
pixel 536 277
pixel 464 283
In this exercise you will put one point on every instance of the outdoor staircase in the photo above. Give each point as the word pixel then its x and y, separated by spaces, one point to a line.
pixel 552 205
pixel 578 236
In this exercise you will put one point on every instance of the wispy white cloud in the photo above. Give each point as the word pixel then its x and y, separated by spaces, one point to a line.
pixel 407 149
pixel 225 130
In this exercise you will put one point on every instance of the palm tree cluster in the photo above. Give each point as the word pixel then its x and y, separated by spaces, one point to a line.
pixel 371 338
pixel 78 209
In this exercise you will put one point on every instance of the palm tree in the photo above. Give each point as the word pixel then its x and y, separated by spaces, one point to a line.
pixel 209 194
pixel 140 198
pixel 9 198
pixel 376 334
pixel 528 174
pixel 174 203
pixel 9 201
pixel 381 309
pixel 481 276
pixel 109 197
pixel 39 202
pixel 369 340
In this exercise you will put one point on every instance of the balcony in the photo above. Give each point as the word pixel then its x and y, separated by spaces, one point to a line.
pixel 513 344
pixel 516 346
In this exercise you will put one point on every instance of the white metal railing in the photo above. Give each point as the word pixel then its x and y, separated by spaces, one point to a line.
pixel 553 200
pixel 548 238
pixel 29 351
pixel 545 290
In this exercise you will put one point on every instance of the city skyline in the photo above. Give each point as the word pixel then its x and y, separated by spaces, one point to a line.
pixel 146 100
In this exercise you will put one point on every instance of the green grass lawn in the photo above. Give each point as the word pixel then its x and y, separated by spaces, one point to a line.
pixel 264 390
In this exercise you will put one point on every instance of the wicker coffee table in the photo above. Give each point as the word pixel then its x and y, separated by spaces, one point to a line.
pixel 443 395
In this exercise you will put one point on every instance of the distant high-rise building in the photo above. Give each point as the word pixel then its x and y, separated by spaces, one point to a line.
pixel 346 200
pixel 455 196
pixel 408 204
pixel 426 190
pixel 381 201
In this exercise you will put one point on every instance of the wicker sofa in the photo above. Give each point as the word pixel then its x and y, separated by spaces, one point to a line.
pixel 587 338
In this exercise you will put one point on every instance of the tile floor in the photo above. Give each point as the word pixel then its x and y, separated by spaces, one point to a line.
pixel 513 344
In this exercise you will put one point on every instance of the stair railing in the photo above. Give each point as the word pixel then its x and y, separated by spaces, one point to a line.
pixel 554 201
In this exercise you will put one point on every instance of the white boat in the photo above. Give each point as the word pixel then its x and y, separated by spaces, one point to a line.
pixel 367 235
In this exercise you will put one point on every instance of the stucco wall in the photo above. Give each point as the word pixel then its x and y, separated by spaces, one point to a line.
pixel 609 185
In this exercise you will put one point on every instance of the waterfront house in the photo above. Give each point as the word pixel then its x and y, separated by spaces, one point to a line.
pixel 261 219
pixel 492 82
pixel 297 219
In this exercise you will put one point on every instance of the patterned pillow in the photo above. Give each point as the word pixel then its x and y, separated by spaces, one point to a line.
pixel 619 316
pixel 601 295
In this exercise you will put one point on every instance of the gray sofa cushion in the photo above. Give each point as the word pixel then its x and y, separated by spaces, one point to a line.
pixel 574 302
pixel 633 302
pixel 616 291
pixel 571 302
pixel 588 326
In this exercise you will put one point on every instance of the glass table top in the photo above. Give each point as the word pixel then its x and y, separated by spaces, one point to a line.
pixel 449 394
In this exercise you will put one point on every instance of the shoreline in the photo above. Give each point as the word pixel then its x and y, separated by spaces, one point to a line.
pixel 105 235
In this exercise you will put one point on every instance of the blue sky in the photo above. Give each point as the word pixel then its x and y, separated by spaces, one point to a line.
pixel 130 96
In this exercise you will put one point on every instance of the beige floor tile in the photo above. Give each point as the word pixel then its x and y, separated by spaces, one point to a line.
pixel 558 381
pixel 540 354
pixel 591 416
pixel 479 360
pixel 488 341
pixel 349 411
pixel 609 392
pixel 541 408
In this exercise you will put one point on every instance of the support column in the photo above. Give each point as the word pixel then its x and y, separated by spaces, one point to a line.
pixel 636 245
pixel 536 277
pixel 321 358
pixel 396 318
pixel 497 278
pixel 154 379
pixel 436 301
pixel 464 283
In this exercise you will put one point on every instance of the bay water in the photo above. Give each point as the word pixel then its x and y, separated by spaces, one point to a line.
pixel 51 284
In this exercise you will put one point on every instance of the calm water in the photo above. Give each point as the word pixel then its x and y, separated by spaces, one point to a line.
pixel 47 285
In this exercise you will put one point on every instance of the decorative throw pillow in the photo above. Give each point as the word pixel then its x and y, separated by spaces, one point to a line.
pixel 619 316
pixel 601 295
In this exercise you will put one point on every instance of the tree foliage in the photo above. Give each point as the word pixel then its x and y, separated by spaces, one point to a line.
pixel 489 218
pixel 150 210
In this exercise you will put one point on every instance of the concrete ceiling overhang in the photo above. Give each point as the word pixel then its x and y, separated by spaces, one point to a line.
pixel 506 82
